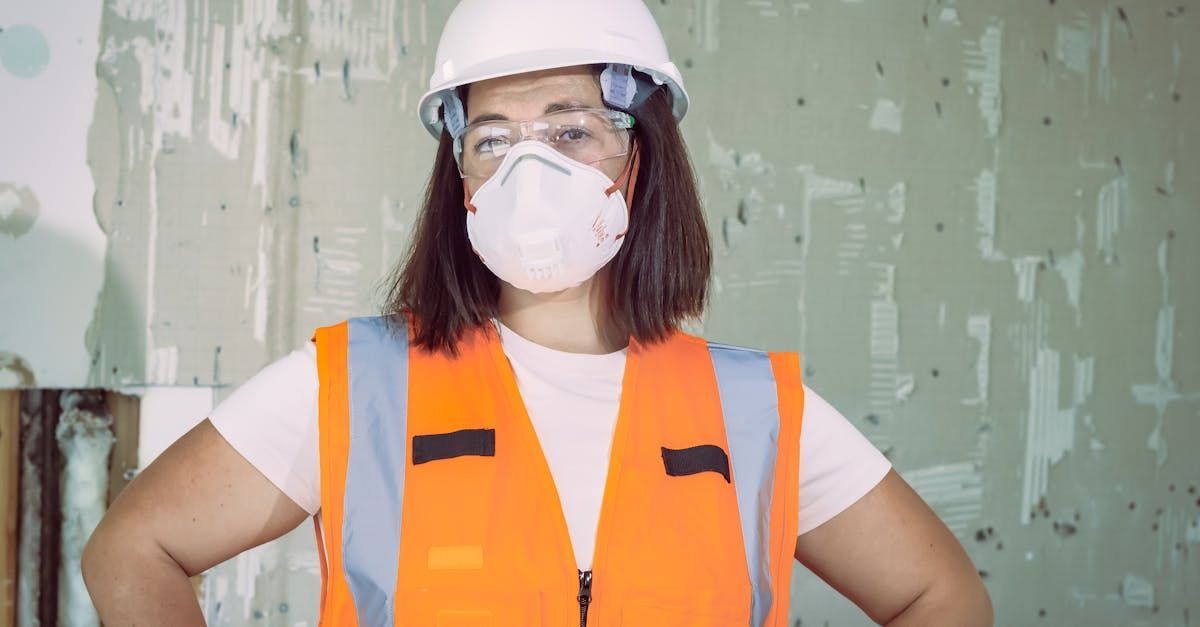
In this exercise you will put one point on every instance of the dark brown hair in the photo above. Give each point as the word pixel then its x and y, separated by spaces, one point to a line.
pixel 658 279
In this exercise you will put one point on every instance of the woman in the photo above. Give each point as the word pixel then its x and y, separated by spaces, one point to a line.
pixel 526 437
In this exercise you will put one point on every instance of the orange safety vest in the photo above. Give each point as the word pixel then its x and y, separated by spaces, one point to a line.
pixel 438 508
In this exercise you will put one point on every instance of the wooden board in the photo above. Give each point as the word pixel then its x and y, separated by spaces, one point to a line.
pixel 10 501
pixel 123 461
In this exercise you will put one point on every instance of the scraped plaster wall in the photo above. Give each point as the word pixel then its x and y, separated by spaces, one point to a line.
pixel 977 221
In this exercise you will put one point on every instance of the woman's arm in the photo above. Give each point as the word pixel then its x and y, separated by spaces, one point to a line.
pixel 197 505
pixel 892 556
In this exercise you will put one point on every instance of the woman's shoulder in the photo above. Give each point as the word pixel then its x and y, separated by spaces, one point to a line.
pixel 271 420
pixel 294 371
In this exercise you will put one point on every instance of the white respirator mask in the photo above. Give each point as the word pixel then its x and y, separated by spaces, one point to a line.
pixel 544 222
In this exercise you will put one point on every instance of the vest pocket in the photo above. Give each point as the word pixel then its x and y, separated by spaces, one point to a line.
pixel 638 615
pixel 470 608
pixel 464 618
pixel 698 607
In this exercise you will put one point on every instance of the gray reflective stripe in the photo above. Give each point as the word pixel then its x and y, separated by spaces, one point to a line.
pixel 750 403
pixel 377 366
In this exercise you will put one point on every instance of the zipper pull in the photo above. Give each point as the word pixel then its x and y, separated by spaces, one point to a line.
pixel 585 595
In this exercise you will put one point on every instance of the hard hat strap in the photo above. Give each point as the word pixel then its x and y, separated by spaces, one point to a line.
pixel 618 85
pixel 624 88
pixel 453 112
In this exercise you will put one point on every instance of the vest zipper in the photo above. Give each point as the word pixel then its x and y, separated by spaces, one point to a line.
pixel 585 595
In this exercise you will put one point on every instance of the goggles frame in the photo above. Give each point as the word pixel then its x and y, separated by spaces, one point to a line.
pixel 535 130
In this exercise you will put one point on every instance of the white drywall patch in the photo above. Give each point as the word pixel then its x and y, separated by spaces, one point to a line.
pixel 897 203
pixel 979 328
pixel 1137 591
pixel 1165 390
pixel 163 364
pixel 1105 81
pixel 339 264
pixel 983 70
pixel 1070 268
pixel 224 134
pixel 888 386
pixel 1026 269
pixel 368 42
pixel 1085 378
pixel 1112 205
pixel 1073 45
pixel 985 215
pixel 886 116
pixel 1049 430
pixel 258 282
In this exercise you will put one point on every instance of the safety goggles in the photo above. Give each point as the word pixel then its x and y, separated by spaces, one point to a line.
pixel 587 135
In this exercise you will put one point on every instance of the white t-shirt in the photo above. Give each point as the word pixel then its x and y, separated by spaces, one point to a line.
pixel 572 400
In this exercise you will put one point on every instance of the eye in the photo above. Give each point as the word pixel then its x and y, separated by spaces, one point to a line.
pixel 490 145
pixel 572 134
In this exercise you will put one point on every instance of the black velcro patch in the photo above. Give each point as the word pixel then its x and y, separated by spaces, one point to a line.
pixel 696 459
pixel 428 448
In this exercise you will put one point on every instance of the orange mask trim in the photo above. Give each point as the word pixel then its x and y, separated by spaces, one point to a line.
pixel 467 197
pixel 631 173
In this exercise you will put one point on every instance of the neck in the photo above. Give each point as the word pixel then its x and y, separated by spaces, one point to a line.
pixel 574 320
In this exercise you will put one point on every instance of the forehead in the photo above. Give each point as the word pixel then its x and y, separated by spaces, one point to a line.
pixel 526 95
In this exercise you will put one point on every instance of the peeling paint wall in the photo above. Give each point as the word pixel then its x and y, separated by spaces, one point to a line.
pixel 978 222
pixel 975 217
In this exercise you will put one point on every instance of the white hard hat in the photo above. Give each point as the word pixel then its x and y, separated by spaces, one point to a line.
pixel 490 38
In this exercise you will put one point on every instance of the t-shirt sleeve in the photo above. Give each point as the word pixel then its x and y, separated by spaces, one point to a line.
pixel 271 420
pixel 838 465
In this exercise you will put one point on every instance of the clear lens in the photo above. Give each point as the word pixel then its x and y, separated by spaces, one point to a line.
pixel 585 135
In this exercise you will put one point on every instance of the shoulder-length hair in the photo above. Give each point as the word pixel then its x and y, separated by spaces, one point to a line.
pixel 658 279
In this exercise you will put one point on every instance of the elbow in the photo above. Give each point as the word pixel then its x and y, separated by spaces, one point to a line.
pixel 962 601
pixel 970 602
pixel 107 555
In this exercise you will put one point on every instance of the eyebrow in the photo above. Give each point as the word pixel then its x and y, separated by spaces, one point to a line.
pixel 550 108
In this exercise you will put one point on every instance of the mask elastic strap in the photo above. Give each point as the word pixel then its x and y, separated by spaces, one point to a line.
pixel 633 174
pixel 467 197
pixel 628 174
